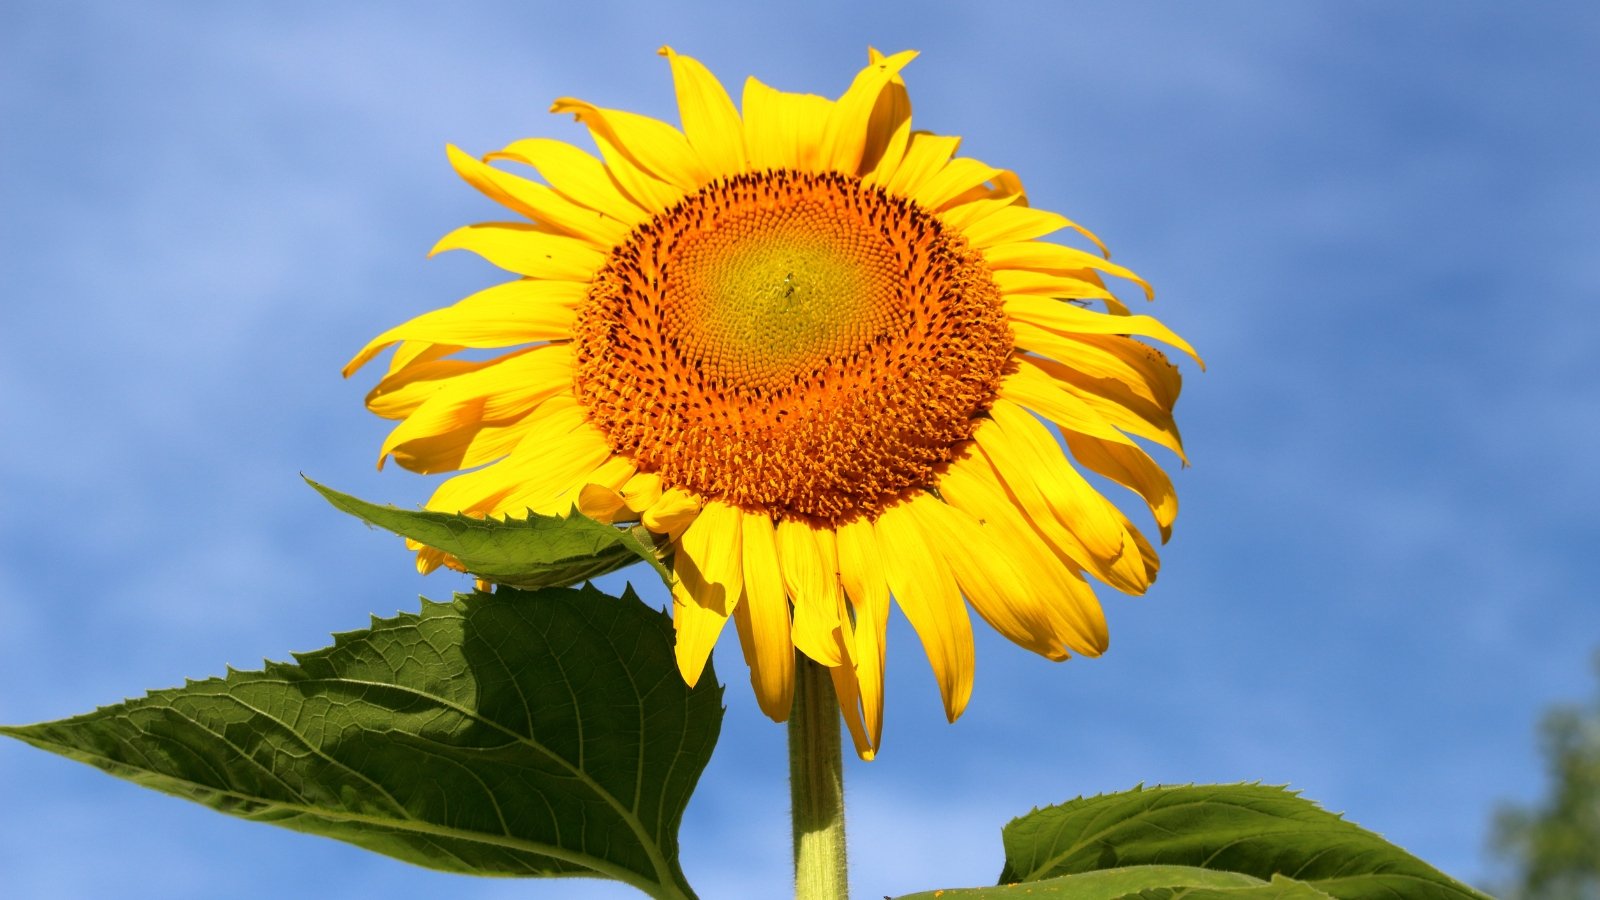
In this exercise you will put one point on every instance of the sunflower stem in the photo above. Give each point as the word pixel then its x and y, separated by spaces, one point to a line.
pixel 816 786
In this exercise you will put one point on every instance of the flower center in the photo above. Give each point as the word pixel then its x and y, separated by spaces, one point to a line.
pixel 799 344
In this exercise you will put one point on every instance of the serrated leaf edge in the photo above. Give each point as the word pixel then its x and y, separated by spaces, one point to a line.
pixel 666 888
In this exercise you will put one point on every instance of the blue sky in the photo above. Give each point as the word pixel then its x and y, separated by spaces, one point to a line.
pixel 1376 221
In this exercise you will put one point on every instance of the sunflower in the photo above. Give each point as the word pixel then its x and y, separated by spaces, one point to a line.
pixel 809 349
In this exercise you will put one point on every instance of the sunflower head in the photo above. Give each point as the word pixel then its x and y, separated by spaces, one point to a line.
pixel 813 351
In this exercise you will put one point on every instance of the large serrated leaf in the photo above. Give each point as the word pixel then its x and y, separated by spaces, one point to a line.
pixel 1107 884
pixel 533 552
pixel 1279 888
pixel 517 733
pixel 1250 829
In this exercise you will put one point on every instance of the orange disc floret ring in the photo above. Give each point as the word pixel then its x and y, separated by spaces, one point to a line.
pixel 796 343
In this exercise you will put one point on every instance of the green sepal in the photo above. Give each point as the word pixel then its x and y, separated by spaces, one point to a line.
pixel 1249 829
pixel 529 553
pixel 517 733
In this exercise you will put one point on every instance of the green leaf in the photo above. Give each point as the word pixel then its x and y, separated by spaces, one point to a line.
pixel 1250 829
pixel 1106 884
pixel 539 551
pixel 1280 888
pixel 541 733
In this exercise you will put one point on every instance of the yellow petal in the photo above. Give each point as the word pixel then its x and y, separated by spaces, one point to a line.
pixel 428 558
pixel 956 178
pixel 1132 468
pixel 549 472
pixel 1147 550
pixel 600 503
pixel 889 129
pixel 925 156
pixel 672 513
pixel 1049 257
pixel 565 450
pixel 848 691
pixel 1020 222
pixel 973 487
pixel 763 619
pixel 505 315
pixel 1114 402
pixel 472 444
pixel 402 391
pixel 866 587
pixel 651 144
pixel 962 216
pixel 696 626
pixel 925 590
pixel 526 250
pixel 1066 318
pixel 708 557
pixel 491 395
pixel 1028 459
pixel 1141 368
pixel 600 497
pixel 783 130
pixel 814 590
pixel 537 202
pixel 994 579
pixel 710 121
pixel 1048 397
pixel 1081 284
pixel 1004 186
pixel 845 137
pixel 641 492
pixel 575 175
pixel 413 352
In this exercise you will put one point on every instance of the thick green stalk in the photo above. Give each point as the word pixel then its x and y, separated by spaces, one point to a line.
pixel 816 786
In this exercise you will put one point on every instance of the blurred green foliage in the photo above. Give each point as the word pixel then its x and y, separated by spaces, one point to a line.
pixel 1553 846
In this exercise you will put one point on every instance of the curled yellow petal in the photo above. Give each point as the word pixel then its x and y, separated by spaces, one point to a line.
pixel 844 139
pixel 889 128
pixel 1132 468
pixel 672 513
pixel 710 122
pixel 813 588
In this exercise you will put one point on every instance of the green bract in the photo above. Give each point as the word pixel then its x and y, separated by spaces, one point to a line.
pixel 532 552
